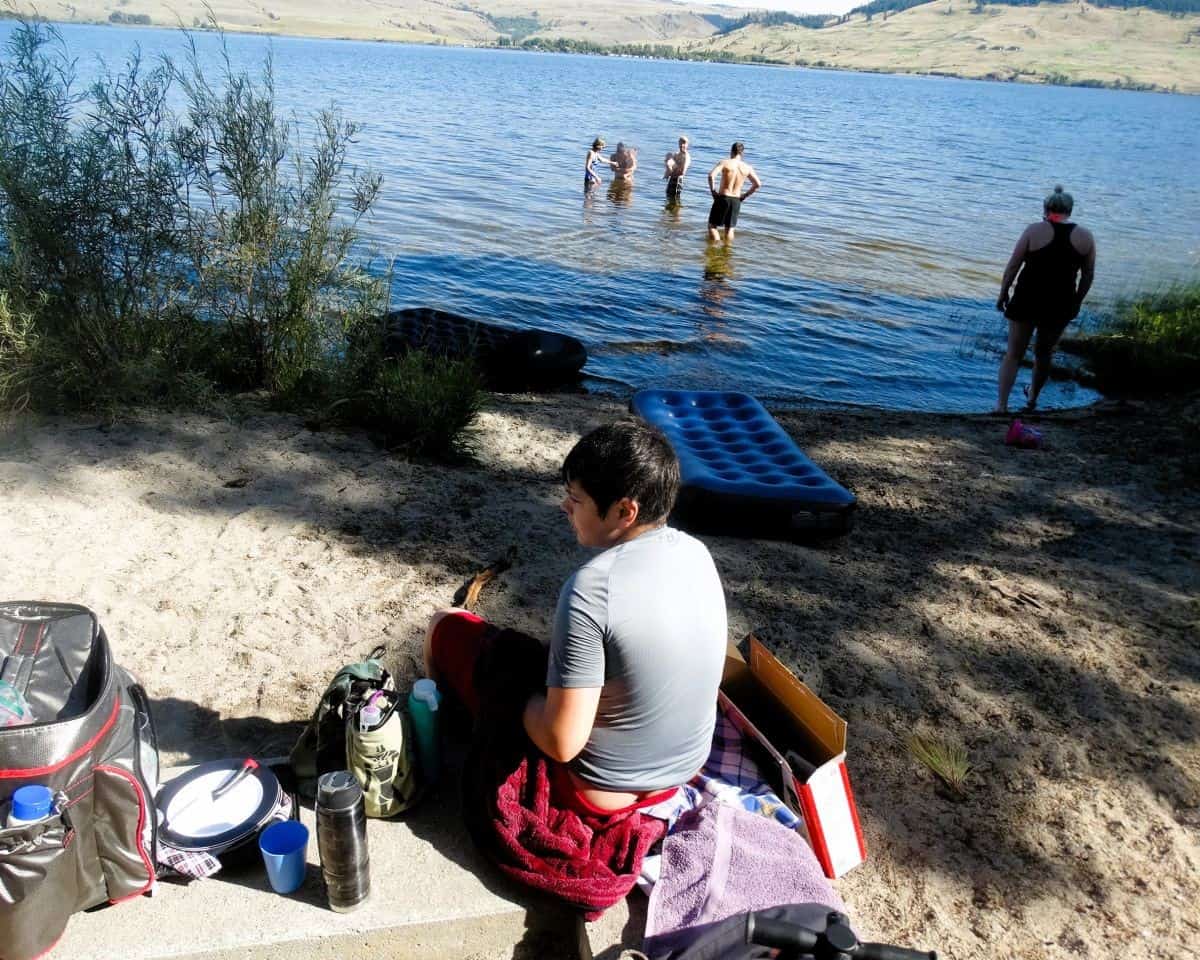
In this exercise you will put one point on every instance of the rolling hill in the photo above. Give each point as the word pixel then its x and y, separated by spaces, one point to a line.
pixel 1063 42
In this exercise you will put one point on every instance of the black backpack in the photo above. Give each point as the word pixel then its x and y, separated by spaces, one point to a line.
pixel 92 743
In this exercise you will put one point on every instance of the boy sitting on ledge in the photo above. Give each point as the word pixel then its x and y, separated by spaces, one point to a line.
pixel 638 642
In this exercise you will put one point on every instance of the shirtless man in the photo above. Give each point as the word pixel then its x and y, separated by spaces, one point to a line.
pixel 675 165
pixel 727 201
pixel 624 161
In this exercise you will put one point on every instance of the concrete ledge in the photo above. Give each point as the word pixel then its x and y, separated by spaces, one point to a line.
pixel 622 928
pixel 432 895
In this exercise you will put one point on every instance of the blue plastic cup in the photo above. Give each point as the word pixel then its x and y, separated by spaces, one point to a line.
pixel 284 847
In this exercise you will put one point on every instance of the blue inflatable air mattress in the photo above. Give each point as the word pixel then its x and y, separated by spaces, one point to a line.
pixel 741 472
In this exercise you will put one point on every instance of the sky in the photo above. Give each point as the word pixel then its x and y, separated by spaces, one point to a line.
pixel 797 6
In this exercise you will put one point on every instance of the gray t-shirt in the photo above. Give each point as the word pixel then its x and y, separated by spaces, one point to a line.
pixel 645 621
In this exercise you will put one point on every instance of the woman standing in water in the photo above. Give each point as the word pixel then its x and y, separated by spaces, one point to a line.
pixel 590 177
pixel 1057 262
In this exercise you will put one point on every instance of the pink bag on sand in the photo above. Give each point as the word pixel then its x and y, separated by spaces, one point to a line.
pixel 1022 435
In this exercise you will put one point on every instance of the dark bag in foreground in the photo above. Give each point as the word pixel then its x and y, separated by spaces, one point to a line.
pixel 92 744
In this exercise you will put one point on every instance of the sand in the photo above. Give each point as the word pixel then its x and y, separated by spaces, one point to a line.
pixel 1038 607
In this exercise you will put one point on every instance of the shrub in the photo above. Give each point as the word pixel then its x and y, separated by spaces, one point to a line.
pixel 150 257
pixel 420 403
pixel 269 245
pixel 89 212
pixel 1150 344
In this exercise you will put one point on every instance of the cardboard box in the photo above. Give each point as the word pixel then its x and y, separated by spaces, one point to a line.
pixel 772 708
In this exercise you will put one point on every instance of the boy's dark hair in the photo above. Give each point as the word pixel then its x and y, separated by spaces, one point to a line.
pixel 628 458
pixel 737 149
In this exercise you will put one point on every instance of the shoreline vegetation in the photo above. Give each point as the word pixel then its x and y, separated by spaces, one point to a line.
pixel 161 256
pixel 1144 345
pixel 1149 45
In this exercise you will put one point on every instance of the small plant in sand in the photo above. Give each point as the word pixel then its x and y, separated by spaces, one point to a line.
pixel 948 761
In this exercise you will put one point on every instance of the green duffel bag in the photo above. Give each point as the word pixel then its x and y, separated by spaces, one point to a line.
pixel 382 757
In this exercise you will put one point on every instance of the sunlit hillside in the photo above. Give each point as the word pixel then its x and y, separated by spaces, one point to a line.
pixel 1052 42
pixel 1049 43
pixel 429 21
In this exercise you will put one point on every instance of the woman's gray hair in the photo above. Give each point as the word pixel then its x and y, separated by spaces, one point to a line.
pixel 1059 201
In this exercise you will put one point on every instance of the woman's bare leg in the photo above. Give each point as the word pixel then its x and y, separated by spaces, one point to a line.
pixel 1043 355
pixel 1019 335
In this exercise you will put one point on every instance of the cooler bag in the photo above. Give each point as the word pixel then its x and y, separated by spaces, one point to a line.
pixel 92 743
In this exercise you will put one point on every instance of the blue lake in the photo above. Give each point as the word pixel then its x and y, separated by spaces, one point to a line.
pixel 865 270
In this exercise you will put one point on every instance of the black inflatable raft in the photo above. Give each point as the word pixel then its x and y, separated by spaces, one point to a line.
pixel 506 357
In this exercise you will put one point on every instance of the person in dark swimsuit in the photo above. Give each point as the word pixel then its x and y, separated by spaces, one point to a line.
pixel 1057 262
pixel 590 177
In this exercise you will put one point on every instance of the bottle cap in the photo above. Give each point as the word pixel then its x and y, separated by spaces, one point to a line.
pixel 426 691
pixel 32 802
pixel 338 790
pixel 369 716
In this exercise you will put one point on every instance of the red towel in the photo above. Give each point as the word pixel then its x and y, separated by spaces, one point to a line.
pixel 590 862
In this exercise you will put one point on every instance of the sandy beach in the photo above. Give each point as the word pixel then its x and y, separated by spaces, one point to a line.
pixel 1040 608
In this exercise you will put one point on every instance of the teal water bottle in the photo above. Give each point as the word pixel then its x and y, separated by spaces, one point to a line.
pixel 423 708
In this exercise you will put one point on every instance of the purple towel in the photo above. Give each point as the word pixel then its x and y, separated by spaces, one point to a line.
pixel 721 861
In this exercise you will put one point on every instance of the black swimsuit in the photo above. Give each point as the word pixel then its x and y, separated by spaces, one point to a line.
pixel 1045 294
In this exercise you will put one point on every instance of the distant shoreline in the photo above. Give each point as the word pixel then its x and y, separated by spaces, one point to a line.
pixel 623 51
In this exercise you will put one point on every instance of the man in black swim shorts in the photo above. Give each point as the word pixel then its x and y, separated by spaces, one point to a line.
pixel 675 165
pixel 727 201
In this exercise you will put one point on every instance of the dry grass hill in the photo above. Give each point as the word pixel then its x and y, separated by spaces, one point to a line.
pixel 1052 42
pixel 422 21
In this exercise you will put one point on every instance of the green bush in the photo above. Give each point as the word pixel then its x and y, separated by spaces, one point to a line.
pixel 146 244
pixel 155 257
pixel 89 213
pixel 1150 344
pixel 422 404
pixel 270 248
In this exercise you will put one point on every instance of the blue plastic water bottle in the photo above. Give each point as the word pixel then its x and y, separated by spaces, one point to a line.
pixel 30 804
pixel 422 707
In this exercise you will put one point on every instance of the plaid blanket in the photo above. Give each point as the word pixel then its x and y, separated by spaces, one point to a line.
pixel 729 776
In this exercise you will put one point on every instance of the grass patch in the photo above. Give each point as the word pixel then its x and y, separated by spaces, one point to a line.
pixel 1146 345
pixel 948 761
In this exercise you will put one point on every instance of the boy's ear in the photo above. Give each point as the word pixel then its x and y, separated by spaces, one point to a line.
pixel 627 511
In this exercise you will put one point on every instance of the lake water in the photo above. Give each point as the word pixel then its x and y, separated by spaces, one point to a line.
pixel 865 270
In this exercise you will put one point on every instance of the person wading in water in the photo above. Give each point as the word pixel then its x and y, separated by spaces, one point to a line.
pixel 590 177
pixel 675 165
pixel 1057 262
pixel 727 201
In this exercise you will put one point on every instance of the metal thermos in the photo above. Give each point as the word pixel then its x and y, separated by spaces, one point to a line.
pixel 342 840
